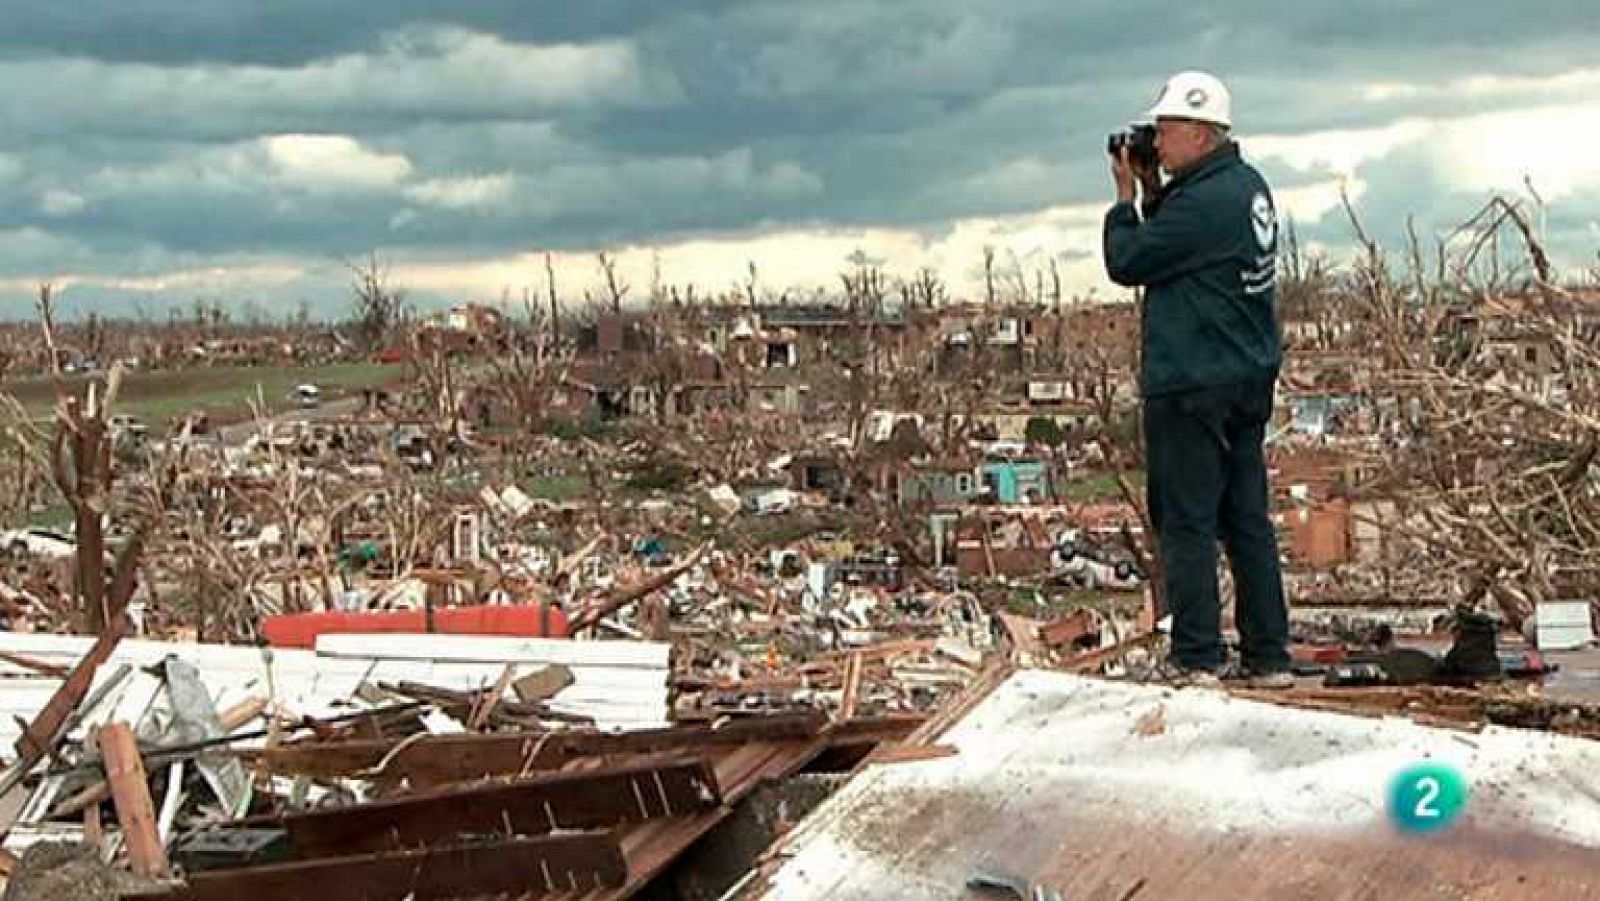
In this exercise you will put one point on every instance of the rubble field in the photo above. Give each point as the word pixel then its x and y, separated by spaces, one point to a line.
pixel 693 601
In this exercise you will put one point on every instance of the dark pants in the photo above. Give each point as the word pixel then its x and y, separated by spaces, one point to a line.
pixel 1207 480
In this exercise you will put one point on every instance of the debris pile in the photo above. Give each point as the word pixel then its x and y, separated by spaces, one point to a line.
pixel 260 773
pixel 540 622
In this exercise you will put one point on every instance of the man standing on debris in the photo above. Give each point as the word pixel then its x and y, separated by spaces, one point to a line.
pixel 1204 247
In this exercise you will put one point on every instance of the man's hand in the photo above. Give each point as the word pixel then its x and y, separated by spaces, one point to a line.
pixel 1124 174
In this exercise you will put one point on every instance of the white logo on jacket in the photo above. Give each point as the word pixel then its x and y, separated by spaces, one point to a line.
pixel 1264 220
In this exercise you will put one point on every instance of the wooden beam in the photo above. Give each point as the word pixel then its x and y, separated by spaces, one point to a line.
pixel 564 801
pixel 597 608
pixel 130 792
pixel 42 734
pixel 1091 661
pixel 904 753
pixel 37 666
pixel 455 758
pixel 523 868
pixel 852 687
pixel 486 705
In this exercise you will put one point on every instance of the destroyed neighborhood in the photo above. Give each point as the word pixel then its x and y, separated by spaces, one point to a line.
pixel 740 597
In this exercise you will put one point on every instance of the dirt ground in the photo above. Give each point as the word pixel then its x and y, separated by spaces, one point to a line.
pixel 61 872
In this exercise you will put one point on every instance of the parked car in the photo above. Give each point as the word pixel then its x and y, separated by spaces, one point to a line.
pixel 37 542
pixel 307 397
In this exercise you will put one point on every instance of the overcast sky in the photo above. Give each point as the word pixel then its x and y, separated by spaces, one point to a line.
pixel 157 151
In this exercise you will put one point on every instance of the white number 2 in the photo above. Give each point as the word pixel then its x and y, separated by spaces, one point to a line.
pixel 1429 787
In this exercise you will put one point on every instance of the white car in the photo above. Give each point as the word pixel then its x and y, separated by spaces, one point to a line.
pixel 38 542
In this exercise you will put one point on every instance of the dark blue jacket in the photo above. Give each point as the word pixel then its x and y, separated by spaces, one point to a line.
pixel 1206 254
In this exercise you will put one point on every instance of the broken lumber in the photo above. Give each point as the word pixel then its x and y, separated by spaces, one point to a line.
pixel 575 801
pixel 602 607
pixel 1069 629
pixel 37 666
pixel 40 737
pixel 896 752
pixel 528 868
pixel 130 792
pixel 543 685
pixel 42 733
pixel 1093 660
pixel 852 687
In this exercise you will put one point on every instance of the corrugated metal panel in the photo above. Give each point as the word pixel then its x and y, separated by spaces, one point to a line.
pixel 498 649
pixel 304 683
pixel 1109 790
pixel 622 685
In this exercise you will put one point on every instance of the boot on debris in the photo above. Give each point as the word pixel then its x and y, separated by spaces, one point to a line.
pixel 1475 656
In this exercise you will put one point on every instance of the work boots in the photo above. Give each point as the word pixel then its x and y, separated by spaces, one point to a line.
pixel 1475 656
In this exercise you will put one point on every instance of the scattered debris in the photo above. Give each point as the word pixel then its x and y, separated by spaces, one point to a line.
pixel 548 615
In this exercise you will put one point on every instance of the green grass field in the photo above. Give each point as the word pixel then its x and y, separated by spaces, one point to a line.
pixel 559 489
pixel 158 397
pixel 1099 487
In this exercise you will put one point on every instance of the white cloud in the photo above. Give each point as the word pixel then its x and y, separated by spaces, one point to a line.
pixel 226 278
pixel 1309 203
pixel 808 259
pixel 333 160
pixel 1340 152
pixel 275 166
pixel 1553 146
pixel 57 202
pixel 218 278
pixel 416 72
pixel 1577 83
pixel 470 193
pixel 23 249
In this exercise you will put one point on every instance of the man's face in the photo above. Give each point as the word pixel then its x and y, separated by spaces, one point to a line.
pixel 1180 142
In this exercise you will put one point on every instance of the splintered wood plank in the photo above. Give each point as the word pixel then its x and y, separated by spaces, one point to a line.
pixel 130 792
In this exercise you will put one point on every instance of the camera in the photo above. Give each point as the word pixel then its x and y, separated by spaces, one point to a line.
pixel 1140 139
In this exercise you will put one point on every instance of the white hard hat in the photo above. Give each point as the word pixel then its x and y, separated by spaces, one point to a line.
pixel 1194 95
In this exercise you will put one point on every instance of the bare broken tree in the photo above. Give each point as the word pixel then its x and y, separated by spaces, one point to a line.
pixel 616 288
pixel 925 290
pixel 378 306
pixel 989 295
pixel 1490 368
pixel 81 463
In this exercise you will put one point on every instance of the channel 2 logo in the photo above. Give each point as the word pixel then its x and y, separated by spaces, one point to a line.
pixel 1427 798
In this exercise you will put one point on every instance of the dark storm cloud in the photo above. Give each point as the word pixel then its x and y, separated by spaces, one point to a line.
pixel 293 32
pixel 141 134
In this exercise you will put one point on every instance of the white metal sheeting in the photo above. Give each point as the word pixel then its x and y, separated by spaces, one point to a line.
pixel 1564 625
pixel 622 685
pixel 1095 788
